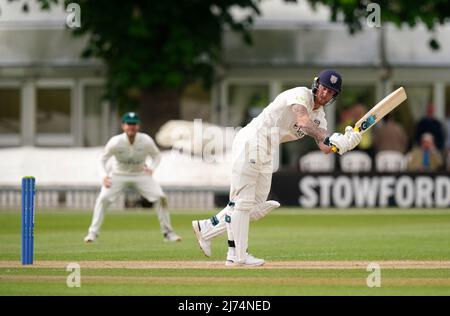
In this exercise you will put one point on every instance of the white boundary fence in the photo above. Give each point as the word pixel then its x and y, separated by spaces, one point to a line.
pixel 84 198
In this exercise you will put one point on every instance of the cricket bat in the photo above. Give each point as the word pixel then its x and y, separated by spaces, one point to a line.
pixel 380 110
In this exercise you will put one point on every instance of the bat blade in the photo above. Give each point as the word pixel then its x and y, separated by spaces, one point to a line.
pixel 380 110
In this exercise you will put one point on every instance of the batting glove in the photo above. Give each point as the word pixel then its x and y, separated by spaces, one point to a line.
pixel 354 137
pixel 341 142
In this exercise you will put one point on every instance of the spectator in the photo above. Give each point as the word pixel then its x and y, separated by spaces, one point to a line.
pixel 448 158
pixel 429 124
pixel 426 157
pixel 447 127
pixel 447 146
pixel 390 136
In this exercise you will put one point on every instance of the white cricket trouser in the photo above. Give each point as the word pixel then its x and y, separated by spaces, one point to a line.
pixel 251 174
pixel 144 185
pixel 250 184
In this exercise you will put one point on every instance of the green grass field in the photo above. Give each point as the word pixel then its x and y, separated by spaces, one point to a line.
pixel 308 252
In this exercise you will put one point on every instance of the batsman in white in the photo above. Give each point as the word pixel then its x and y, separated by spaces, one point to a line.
pixel 292 115
pixel 131 150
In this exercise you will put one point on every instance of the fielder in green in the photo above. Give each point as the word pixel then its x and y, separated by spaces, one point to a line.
pixel 137 156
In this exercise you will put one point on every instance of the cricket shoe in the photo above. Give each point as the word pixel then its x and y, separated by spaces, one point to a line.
pixel 200 227
pixel 171 236
pixel 91 237
pixel 250 261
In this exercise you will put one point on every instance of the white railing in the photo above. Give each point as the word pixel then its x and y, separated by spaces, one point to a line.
pixel 84 198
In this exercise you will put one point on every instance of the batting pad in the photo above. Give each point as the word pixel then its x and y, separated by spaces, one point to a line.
pixel 260 211
pixel 263 209
pixel 240 221
pixel 220 227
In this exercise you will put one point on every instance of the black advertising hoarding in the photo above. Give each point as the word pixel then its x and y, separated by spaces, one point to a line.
pixel 343 190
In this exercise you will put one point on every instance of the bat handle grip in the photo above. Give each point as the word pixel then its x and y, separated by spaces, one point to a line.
pixel 334 148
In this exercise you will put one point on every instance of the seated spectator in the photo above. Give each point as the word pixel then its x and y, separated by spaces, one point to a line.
pixel 390 136
pixel 426 157
pixel 447 146
pixel 429 124
pixel 448 159
pixel 447 127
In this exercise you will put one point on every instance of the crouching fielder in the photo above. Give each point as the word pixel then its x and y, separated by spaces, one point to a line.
pixel 292 115
pixel 131 151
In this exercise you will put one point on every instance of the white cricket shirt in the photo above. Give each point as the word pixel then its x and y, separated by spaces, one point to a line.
pixel 130 159
pixel 279 118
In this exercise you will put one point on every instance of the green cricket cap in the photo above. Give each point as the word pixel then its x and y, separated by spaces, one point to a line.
pixel 131 117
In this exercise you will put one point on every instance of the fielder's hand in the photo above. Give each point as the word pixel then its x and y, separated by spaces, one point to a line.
pixel 148 171
pixel 107 182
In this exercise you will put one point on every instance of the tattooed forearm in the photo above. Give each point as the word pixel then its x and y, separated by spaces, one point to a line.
pixel 315 132
pixel 306 124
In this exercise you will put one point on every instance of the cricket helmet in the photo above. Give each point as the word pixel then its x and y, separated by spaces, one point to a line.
pixel 330 79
